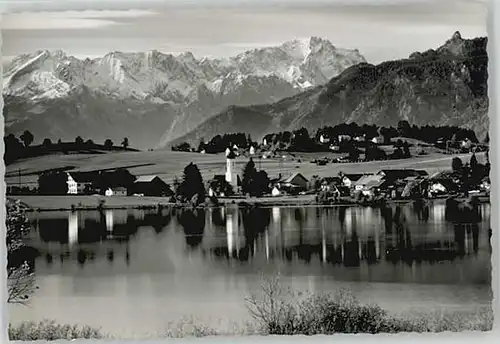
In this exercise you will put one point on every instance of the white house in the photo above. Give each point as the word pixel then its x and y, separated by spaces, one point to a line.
pixel 116 191
pixel 252 150
pixel 80 182
pixel 334 148
pixel 466 144
pixel 348 180
pixel 275 191
pixel 436 188
pixel 344 138
pixel 228 151
pixel 324 139
pixel 72 185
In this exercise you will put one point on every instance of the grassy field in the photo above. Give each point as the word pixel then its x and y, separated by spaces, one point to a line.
pixel 167 164
pixel 88 202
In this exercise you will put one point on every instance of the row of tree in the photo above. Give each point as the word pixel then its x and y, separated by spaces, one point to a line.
pixel 17 148
pixel 218 143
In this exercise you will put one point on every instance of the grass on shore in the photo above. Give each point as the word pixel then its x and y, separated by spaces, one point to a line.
pixel 50 330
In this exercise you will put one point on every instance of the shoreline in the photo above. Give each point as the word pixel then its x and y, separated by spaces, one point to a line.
pixel 36 203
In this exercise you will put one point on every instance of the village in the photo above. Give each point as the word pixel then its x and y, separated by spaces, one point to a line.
pixel 463 178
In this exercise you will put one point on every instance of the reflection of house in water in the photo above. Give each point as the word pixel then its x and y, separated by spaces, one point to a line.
pixel 83 236
pixel 232 232
pixel 109 220
pixel 72 228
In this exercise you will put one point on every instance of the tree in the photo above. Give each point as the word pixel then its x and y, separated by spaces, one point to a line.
pixel 125 142
pixel 192 188
pixel 79 141
pixel 406 150
pixel 20 275
pixel 249 172
pixel 473 162
pixel 456 164
pixel 89 143
pixel 13 148
pixel 53 183
pixel 487 138
pixel 27 138
pixel 183 147
pixel 108 144
pixel 404 128
pixel 260 184
pixel 47 143
pixel 386 134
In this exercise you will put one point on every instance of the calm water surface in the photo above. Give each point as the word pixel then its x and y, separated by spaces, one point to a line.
pixel 132 272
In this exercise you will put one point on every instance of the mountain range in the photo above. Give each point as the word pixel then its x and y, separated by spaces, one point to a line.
pixel 153 98
pixel 442 86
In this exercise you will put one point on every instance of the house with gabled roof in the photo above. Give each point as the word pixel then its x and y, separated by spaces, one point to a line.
pixel 368 183
pixel 81 182
pixel 151 185
pixel 350 178
pixel 293 184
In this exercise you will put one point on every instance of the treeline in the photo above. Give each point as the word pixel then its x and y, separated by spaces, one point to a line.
pixel 301 140
pixel 18 148
pixel 218 143
pixel 428 134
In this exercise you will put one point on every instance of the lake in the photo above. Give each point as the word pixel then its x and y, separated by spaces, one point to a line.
pixel 132 272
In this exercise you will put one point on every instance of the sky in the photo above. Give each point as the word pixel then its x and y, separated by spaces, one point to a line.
pixel 380 29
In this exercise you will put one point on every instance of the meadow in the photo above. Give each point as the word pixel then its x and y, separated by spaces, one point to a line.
pixel 168 165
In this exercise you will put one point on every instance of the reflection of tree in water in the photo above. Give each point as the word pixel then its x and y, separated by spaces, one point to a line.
pixel 421 209
pixel 81 257
pixel 110 255
pixel 304 252
pixel 193 223
pixel 53 230
pixel 48 258
pixel 403 249
pixel 217 218
pixel 255 222
pixel 342 213
pixel 397 226
pixel 465 217
pixel 351 250
pixel 369 251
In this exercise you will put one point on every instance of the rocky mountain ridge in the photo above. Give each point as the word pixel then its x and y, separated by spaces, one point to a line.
pixel 442 86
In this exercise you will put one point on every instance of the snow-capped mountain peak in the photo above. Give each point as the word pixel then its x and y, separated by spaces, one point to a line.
pixel 177 91
pixel 300 62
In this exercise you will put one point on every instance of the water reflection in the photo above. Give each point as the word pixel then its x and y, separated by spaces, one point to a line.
pixel 328 238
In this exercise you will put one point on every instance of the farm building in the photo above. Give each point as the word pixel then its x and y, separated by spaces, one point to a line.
pixel 81 182
pixel 116 191
pixel 295 181
pixel 330 183
pixel 368 184
pixel 151 186
pixel 276 191
pixel 349 179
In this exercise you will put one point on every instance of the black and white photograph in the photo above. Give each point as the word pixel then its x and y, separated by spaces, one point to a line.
pixel 179 169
